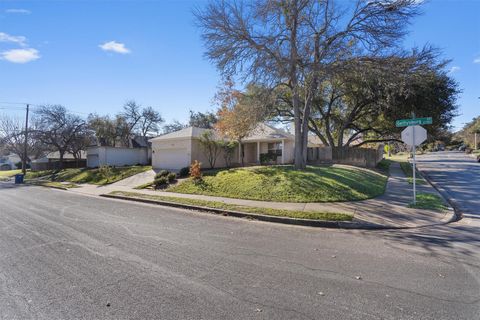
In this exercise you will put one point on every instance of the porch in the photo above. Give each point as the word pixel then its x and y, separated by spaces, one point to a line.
pixel 271 151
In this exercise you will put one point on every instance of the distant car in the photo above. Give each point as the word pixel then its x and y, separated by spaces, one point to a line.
pixel 462 148
pixel 478 158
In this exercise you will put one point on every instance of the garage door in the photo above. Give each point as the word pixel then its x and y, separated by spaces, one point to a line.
pixel 171 158
pixel 92 160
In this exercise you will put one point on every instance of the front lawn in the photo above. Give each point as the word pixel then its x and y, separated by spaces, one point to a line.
pixel 314 215
pixel 93 176
pixel 7 174
pixel 282 183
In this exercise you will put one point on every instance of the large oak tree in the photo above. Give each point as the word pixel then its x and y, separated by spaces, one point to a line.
pixel 294 43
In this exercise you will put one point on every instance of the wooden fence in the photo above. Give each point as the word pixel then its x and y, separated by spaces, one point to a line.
pixel 362 157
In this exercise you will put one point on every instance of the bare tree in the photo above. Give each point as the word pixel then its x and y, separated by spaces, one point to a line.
pixel 12 138
pixel 150 122
pixel 294 43
pixel 173 126
pixel 132 113
pixel 57 128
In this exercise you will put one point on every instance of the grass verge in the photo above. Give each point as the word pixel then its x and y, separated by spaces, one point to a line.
pixel 314 215
pixel 428 201
pixel 284 184
pixel 408 170
pixel 84 175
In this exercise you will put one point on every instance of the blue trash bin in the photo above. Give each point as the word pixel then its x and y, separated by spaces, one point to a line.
pixel 18 178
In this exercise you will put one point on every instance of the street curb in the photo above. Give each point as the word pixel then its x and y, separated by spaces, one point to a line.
pixel 261 217
pixel 457 214
pixel 53 187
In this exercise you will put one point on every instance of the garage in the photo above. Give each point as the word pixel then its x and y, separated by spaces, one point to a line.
pixel 172 159
pixel 92 160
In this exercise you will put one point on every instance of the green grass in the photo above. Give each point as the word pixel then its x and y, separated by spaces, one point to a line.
pixel 314 215
pixel 384 165
pixel 428 201
pixel 282 183
pixel 7 174
pixel 92 176
pixel 408 170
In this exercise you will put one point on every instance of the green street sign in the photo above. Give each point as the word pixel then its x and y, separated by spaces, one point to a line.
pixel 413 122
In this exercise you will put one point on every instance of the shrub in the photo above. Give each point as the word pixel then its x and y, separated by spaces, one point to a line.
pixel 267 158
pixel 171 177
pixel 195 171
pixel 105 172
pixel 162 173
pixel 184 172
pixel 160 182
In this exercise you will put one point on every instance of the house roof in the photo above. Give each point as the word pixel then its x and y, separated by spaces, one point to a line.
pixel 190 132
pixel 262 132
pixel 66 156
pixel 314 141
pixel 266 132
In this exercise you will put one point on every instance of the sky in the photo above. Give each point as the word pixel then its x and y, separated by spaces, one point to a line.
pixel 93 56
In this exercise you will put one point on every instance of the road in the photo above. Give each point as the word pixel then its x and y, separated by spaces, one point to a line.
pixel 69 256
pixel 459 175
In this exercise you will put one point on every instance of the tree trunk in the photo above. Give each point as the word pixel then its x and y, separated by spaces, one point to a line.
pixel 60 165
pixel 240 149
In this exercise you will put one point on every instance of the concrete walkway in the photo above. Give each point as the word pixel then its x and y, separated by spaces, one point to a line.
pixel 390 209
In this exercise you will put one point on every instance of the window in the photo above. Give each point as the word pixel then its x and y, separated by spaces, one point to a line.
pixel 275 148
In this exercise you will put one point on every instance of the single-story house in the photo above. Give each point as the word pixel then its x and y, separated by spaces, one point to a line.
pixel 52 161
pixel 116 156
pixel 138 152
pixel 179 149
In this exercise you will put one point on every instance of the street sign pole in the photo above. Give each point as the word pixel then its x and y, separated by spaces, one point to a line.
pixel 413 135
pixel 414 178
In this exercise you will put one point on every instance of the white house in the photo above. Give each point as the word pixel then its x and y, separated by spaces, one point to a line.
pixel 116 156
pixel 179 149
pixel 137 152
pixel 9 162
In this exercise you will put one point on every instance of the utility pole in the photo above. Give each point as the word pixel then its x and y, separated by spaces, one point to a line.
pixel 25 144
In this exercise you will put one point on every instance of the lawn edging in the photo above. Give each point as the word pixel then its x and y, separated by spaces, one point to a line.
pixel 260 217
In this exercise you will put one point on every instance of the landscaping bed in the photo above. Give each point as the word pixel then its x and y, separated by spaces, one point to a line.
pixel 92 176
pixel 313 215
pixel 283 184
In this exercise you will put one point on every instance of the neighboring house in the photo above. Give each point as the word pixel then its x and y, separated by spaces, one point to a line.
pixel 52 161
pixel 9 162
pixel 179 149
pixel 139 152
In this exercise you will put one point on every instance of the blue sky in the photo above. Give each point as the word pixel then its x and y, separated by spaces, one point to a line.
pixel 92 56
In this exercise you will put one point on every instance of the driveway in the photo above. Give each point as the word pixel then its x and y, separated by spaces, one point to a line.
pixel 69 256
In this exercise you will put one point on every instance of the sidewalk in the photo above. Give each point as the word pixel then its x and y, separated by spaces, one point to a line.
pixel 390 209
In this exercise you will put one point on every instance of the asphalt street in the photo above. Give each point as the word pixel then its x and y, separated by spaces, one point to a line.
pixel 70 256
pixel 459 175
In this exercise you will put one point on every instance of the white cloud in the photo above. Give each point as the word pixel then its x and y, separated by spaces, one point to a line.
pixel 454 69
pixel 20 55
pixel 477 60
pixel 114 46
pixel 5 37
pixel 19 11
